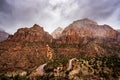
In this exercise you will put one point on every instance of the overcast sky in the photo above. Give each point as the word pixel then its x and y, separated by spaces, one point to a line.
pixel 51 14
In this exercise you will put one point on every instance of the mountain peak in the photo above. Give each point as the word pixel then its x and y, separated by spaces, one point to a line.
pixel 84 22
pixel 36 26
pixel 88 28
pixel 33 34
pixel 58 29
pixel 57 32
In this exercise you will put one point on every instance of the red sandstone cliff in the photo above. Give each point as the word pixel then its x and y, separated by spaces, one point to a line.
pixel 118 35
pixel 86 28
pixel 33 34
pixel 25 49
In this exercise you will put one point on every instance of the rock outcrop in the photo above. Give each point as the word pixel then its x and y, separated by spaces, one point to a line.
pixel 57 33
pixel 33 34
pixel 118 35
pixel 3 35
pixel 86 28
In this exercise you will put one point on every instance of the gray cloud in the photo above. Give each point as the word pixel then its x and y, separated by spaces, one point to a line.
pixel 54 13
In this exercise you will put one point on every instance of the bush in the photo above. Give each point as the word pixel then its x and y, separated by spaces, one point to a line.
pixel 52 65
pixel 17 77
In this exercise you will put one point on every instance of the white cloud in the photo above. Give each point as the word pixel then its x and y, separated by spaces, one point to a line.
pixel 56 2
pixel 51 14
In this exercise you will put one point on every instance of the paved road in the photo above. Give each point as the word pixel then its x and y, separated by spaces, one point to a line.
pixel 41 67
pixel 70 63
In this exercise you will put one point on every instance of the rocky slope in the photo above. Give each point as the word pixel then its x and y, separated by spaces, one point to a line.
pixel 24 50
pixel 3 35
pixel 57 33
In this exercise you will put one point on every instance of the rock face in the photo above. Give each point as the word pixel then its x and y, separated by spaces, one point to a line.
pixel 33 34
pixel 3 35
pixel 118 30
pixel 25 49
pixel 118 33
pixel 86 28
pixel 57 33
